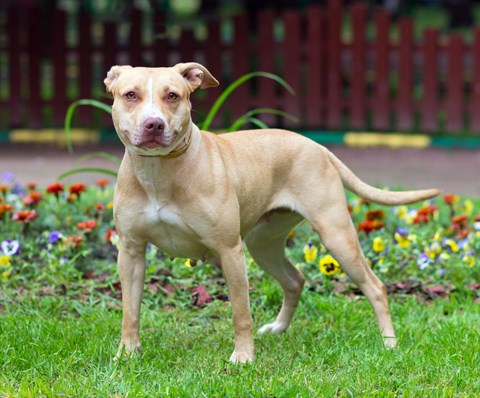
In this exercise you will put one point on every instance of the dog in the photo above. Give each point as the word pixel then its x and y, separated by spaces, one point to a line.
pixel 198 195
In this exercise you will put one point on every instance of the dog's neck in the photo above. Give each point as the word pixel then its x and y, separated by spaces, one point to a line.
pixel 155 173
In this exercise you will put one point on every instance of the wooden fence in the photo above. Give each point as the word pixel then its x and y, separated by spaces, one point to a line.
pixel 375 78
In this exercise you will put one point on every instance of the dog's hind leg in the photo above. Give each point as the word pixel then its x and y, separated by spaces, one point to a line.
pixel 266 243
pixel 337 232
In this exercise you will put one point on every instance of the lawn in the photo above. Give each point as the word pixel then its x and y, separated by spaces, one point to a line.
pixel 60 309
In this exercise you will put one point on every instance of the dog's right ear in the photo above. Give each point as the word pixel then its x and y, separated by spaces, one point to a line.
pixel 112 76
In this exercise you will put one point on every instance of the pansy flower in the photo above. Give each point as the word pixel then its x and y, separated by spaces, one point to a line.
pixel 310 252
pixel 423 261
pixel 402 238
pixel 378 245
pixel 329 266
pixel 10 247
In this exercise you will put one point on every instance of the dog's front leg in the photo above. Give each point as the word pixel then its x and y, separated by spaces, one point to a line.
pixel 131 264
pixel 234 270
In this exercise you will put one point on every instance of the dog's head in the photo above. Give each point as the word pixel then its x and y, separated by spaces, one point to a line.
pixel 151 107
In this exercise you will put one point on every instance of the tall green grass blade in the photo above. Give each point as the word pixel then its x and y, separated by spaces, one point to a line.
pixel 245 118
pixel 87 170
pixel 101 154
pixel 70 112
pixel 257 122
pixel 205 125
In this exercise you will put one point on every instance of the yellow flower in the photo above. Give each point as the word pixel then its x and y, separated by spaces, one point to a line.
pixel 452 245
pixel 5 261
pixel 188 263
pixel 5 274
pixel 378 245
pixel 401 212
pixel 109 205
pixel 433 250
pixel 402 237
pixel 469 261
pixel 468 207
pixel 329 266
pixel 310 252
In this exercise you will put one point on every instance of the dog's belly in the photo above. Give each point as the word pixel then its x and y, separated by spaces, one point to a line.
pixel 168 231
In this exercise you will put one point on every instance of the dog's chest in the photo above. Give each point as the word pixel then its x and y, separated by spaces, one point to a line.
pixel 169 231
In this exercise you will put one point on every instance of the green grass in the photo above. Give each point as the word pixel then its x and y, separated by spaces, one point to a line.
pixel 54 346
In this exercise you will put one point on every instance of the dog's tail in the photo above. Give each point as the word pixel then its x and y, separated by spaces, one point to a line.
pixel 357 186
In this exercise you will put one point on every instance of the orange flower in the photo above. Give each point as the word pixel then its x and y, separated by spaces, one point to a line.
pixel 450 199
pixel 56 189
pixel 102 183
pixel 74 240
pixel 4 188
pixel 25 216
pixel 32 198
pixel 375 215
pixel 109 234
pixel 77 189
pixel 31 186
pixel 87 226
pixel 370 225
pixel 4 209
pixel 460 221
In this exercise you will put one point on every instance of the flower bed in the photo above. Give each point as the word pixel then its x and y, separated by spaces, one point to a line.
pixel 65 234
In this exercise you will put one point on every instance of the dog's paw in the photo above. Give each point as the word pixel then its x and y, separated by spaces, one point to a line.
pixel 273 328
pixel 241 357
pixel 389 342
pixel 127 351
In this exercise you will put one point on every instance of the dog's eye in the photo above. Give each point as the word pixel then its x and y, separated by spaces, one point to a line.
pixel 131 95
pixel 172 97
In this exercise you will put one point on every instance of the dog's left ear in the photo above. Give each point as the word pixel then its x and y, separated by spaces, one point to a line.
pixel 196 75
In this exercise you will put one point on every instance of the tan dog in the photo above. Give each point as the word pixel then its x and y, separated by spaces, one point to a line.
pixel 198 195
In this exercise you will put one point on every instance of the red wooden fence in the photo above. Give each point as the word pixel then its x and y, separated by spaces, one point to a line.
pixel 383 81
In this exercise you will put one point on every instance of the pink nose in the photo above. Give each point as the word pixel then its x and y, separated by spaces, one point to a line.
pixel 153 125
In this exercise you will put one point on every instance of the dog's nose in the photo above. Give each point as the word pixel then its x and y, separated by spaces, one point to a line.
pixel 153 125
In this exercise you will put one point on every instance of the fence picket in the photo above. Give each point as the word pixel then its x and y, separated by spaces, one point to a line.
pixel 474 109
pixel 430 76
pixel 454 103
pixel 404 102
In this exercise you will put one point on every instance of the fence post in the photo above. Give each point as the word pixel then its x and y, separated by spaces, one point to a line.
pixel 454 105
pixel 475 98
pixel 34 65
pixel 429 101
pixel 14 67
pixel 404 103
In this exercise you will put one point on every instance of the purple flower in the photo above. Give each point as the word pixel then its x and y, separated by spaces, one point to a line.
pixel 10 247
pixel 54 236
pixel 423 261
pixel 402 232
pixel 7 177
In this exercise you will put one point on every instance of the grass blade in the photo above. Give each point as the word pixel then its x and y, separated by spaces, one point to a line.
pixel 87 170
pixel 247 116
pixel 70 112
pixel 205 125
pixel 101 154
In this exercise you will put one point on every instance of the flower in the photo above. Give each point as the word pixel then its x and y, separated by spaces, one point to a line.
pixel 56 189
pixel 452 245
pixel 370 225
pixel 5 261
pixel 10 247
pixel 54 236
pixel 402 238
pixel 375 215
pixel 77 189
pixel 4 209
pixel 32 198
pixel 401 212
pixel 329 266
pixel 87 226
pixel 31 186
pixel 25 216
pixel 378 245
pixel 451 199
pixel 424 214
pixel 75 240
pixel 469 259
pixel 310 252
pixel 433 250
pixel 102 183
pixel 424 260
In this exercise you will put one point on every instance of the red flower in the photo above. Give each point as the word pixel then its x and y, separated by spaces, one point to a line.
pixel 87 226
pixel 77 189
pixel 460 221
pixel 375 215
pixel 32 198
pixel 450 199
pixel 56 189
pixel 109 234
pixel 102 183
pixel 4 209
pixel 75 240
pixel 31 186
pixel 25 216
pixel 4 188
pixel 370 225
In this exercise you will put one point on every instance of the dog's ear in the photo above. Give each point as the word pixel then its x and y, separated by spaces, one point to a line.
pixel 112 76
pixel 196 75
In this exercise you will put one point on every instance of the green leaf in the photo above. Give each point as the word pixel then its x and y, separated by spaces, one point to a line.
pixel 71 110
pixel 88 170
pixel 205 125
pixel 101 154
pixel 247 117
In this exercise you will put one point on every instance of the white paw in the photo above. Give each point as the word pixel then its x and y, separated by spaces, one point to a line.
pixel 389 342
pixel 273 328
pixel 241 357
